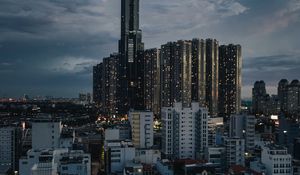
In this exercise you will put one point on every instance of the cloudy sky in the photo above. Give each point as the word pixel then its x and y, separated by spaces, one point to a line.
pixel 48 47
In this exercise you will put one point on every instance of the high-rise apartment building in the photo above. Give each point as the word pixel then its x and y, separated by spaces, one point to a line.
pixel 105 84
pixel 259 95
pixel 230 80
pixel 212 76
pixel 152 80
pixel 110 80
pixel 282 94
pixel 141 128
pixel 293 96
pixel 199 71
pixel 289 97
pixel 184 131
pixel 176 73
pixel 131 58
pixel 97 84
pixel 167 68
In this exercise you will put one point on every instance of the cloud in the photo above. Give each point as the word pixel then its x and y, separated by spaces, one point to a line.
pixel 74 65
pixel 271 69
pixel 5 64
pixel 179 18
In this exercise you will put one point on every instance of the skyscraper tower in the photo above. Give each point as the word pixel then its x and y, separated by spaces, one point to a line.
pixel 282 94
pixel 230 79
pixel 198 71
pixel 131 59
pixel 152 80
pixel 259 97
pixel 212 76
pixel 176 73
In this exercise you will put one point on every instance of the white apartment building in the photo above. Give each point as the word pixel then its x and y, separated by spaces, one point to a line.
pixel 235 151
pixel 276 160
pixel 117 154
pixel 141 128
pixel 184 131
pixel 75 162
pixel 58 161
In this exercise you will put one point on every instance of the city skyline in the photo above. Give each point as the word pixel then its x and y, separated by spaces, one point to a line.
pixel 38 61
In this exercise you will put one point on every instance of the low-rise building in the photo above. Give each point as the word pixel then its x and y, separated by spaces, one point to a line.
pixel 117 154
pixel 235 151
pixel 277 160
pixel 57 161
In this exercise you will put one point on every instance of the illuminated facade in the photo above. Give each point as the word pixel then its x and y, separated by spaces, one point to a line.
pixel 198 71
pixel 176 73
pixel 184 131
pixel 230 80
pixel 152 80
pixel 259 97
pixel 212 76
pixel 131 59
pixel 105 82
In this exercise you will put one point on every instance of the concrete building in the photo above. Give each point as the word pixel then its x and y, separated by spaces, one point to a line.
pixel 147 156
pixel 165 167
pixel 235 151
pixel 141 128
pixel 230 80
pixel 214 125
pixel 117 154
pixel 10 147
pixel 216 156
pixel 132 168
pixel 46 132
pixel 288 130
pixel 75 162
pixel 184 131
pixel 243 126
pixel 276 160
pixel 57 161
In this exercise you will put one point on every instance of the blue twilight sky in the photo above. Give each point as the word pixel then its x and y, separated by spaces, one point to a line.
pixel 48 47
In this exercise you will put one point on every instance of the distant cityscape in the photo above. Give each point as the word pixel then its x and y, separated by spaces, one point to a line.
pixel 172 110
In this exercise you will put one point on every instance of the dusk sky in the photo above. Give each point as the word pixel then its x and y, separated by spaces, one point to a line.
pixel 48 47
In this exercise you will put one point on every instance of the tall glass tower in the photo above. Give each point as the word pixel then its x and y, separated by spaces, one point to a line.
pixel 131 58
